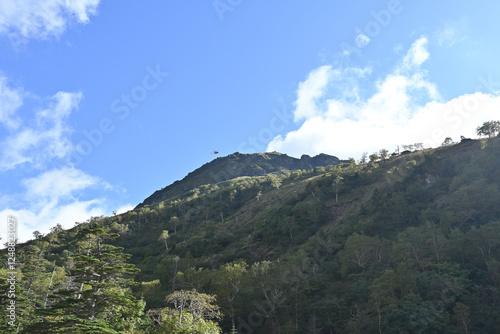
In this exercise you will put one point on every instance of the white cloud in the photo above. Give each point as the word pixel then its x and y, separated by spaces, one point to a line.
pixel 404 108
pixel 66 215
pixel 362 40
pixel 10 101
pixel 320 81
pixel 56 197
pixel 53 197
pixel 417 54
pixel 310 90
pixel 40 19
pixel 37 185
pixel 452 32
pixel 58 183
pixel 42 139
pixel 124 208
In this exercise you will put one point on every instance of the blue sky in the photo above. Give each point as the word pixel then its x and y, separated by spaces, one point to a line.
pixel 104 102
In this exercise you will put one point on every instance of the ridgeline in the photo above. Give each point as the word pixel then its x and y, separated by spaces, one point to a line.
pixel 405 244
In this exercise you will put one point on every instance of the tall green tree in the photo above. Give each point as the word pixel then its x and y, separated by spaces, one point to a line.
pixel 229 278
pixel 383 154
pixel 97 300
pixel 488 129
pixel 175 221
pixel 364 158
pixel 336 183
pixel 17 309
pixel 374 157
pixel 193 313
pixel 275 181
pixel 164 236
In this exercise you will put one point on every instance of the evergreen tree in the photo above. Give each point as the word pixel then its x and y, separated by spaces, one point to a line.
pixel 97 301
pixel 17 310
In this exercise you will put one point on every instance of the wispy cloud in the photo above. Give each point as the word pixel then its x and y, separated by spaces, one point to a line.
pixel 403 108
pixel 398 48
pixel 57 196
pixel 54 197
pixel 41 138
pixel 362 40
pixel 39 19
pixel 452 32
pixel 48 191
pixel 11 100
pixel 417 54
pixel 310 90
pixel 57 184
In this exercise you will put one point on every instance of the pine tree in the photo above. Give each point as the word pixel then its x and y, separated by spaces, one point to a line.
pixel 14 297
pixel 97 301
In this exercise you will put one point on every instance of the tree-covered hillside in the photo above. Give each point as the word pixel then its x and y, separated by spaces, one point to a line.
pixel 237 165
pixel 402 243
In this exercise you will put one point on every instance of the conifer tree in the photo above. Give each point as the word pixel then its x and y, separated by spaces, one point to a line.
pixel 17 310
pixel 98 300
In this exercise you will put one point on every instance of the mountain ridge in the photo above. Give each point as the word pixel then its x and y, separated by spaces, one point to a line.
pixel 349 248
pixel 237 165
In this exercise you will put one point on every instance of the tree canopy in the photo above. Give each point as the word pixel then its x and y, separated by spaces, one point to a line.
pixel 488 129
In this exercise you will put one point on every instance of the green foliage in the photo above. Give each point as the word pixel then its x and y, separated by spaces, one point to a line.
pixel 98 292
pixel 447 142
pixel 229 280
pixel 409 244
pixel 189 325
pixel 274 181
pixel 164 236
pixel 489 129
pixel 361 252
pixel 192 313
pixel 383 154
pixel 336 183
pixel 374 157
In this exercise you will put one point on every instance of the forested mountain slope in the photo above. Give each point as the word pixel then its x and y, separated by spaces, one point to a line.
pixel 408 244
pixel 237 165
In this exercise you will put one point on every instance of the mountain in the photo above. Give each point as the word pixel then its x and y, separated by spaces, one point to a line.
pixel 407 244
pixel 238 165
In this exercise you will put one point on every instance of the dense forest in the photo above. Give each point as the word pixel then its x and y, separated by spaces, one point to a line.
pixel 407 242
